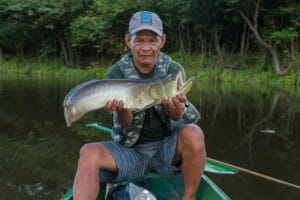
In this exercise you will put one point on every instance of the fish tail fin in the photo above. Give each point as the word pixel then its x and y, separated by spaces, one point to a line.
pixel 186 86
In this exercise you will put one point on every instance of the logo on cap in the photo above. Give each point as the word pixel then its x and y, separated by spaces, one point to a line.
pixel 146 17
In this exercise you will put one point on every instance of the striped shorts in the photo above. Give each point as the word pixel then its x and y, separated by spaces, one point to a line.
pixel 138 160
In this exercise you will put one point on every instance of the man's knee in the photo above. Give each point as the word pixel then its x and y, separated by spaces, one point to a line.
pixel 92 153
pixel 192 137
pixel 96 155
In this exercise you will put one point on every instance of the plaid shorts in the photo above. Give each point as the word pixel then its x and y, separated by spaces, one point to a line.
pixel 138 160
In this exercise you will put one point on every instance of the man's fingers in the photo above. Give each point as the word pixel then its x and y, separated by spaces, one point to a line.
pixel 182 98
pixel 114 105
pixel 173 103
pixel 170 104
pixel 177 103
pixel 107 107
pixel 163 101
pixel 120 105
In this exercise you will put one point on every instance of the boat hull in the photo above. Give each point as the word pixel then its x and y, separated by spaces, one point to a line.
pixel 171 188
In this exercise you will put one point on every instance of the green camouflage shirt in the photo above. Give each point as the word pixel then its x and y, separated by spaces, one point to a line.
pixel 153 127
pixel 151 124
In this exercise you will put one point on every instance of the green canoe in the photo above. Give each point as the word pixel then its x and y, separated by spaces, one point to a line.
pixel 169 187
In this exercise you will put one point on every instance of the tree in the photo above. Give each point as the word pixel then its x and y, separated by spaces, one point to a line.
pixel 103 26
pixel 251 18
pixel 56 17
pixel 84 30
pixel 39 25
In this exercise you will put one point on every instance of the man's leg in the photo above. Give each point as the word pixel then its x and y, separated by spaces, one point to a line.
pixel 92 157
pixel 190 151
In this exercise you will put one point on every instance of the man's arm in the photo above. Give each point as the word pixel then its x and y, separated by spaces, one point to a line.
pixel 124 116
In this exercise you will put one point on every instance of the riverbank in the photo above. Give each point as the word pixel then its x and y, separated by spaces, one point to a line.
pixel 204 69
pixel 48 66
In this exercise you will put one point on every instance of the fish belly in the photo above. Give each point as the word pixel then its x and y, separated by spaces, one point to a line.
pixel 134 97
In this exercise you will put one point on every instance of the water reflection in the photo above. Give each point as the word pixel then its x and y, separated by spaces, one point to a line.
pixel 233 118
pixel 38 154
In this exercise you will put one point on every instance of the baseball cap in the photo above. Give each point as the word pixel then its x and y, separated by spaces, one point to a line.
pixel 145 20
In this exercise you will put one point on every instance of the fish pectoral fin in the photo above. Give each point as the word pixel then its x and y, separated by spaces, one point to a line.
pixel 153 90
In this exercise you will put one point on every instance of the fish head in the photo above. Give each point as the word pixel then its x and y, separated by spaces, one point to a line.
pixel 172 84
pixel 164 87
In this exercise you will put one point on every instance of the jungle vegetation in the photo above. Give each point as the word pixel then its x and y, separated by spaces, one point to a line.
pixel 236 34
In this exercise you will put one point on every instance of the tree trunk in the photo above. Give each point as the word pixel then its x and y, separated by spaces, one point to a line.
pixel 202 44
pixel 71 56
pixel 242 46
pixel 63 47
pixel 77 56
pixel 188 35
pixel 253 27
pixel 1 56
pixel 292 46
pixel 180 39
pixel 297 45
pixel 202 54
pixel 217 45
pixel 67 51
pixel 247 41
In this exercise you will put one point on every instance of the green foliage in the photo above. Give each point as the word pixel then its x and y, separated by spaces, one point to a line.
pixel 285 34
pixel 102 24
pixel 208 75
pixel 84 31
pixel 227 75
pixel 290 79
pixel 50 66
pixel 209 70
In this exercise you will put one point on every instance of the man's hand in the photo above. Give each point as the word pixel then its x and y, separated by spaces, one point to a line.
pixel 124 116
pixel 114 105
pixel 174 107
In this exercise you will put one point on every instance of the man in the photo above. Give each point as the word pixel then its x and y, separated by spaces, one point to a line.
pixel 160 139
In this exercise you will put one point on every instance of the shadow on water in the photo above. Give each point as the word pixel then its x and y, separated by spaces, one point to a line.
pixel 252 126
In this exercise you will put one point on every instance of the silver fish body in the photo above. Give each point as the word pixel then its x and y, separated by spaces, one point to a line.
pixel 136 94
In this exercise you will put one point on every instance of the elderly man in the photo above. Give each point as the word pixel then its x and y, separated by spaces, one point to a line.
pixel 161 139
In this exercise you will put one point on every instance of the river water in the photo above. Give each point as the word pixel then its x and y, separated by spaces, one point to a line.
pixel 254 126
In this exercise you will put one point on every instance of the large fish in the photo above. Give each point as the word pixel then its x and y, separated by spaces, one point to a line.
pixel 136 95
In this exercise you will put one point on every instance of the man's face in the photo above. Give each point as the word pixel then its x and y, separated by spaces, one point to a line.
pixel 145 46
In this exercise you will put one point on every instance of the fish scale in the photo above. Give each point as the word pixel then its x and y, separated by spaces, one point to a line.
pixel 136 95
